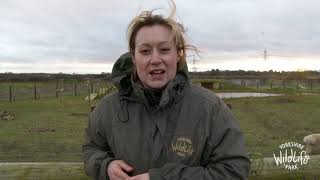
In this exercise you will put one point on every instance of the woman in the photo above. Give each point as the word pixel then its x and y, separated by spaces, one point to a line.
pixel 158 125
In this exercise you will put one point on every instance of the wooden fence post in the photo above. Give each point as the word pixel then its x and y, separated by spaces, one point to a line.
pixel 13 93
pixel 38 93
pixel 60 96
pixel 75 89
pixel 243 83
pixel 10 93
pixel 35 92
pixel 91 87
pixel 57 89
pixel 89 98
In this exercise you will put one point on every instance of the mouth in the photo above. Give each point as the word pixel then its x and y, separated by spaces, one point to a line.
pixel 157 72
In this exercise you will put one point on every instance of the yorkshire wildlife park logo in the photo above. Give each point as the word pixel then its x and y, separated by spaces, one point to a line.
pixel 291 156
pixel 183 147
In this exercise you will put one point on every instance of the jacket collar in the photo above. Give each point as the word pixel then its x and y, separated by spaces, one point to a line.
pixel 171 94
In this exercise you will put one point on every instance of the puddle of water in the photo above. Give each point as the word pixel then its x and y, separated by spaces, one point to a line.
pixel 240 95
pixel 309 94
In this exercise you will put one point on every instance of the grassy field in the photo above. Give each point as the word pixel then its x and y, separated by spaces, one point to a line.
pixel 266 122
pixel 270 121
pixel 21 141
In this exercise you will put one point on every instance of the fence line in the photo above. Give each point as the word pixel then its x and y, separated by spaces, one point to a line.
pixel 34 91
pixel 263 168
pixel 307 85
pixel 18 91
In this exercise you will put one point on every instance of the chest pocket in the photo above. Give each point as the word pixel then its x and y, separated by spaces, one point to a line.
pixel 185 148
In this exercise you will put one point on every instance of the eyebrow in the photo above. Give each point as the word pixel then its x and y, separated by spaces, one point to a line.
pixel 148 45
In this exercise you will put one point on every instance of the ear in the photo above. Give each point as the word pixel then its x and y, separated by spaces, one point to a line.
pixel 132 58
pixel 180 54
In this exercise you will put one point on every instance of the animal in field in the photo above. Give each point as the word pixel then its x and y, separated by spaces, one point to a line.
pixel 312 143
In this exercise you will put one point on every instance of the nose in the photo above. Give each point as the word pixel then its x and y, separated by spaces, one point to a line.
pixel 155 58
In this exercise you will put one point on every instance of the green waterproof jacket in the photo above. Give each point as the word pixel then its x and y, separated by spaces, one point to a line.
pixel 189 135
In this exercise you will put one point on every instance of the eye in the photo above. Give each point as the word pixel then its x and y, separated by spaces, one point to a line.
pixel 164 50
pixel 145 51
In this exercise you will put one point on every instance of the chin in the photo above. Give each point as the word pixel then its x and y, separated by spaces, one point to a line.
pixel 157 85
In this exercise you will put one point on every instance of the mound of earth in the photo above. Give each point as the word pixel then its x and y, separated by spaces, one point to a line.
pixel 41 130
pixel 6 115
pixel 286 99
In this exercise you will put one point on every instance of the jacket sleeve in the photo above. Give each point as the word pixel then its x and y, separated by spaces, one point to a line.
pixel 96 151
pixel 226 159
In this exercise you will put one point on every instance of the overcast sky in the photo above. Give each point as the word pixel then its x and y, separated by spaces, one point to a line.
pixel 89 35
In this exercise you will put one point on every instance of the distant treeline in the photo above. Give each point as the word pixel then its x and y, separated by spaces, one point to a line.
pixel 36 77
pixel 258 74
pixel 217 72
pixel 21 77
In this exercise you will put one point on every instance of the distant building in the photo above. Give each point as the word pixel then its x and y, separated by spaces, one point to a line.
pixel 207 84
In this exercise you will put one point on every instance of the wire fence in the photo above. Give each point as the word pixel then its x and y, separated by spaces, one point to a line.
pixel 305 84
pixel 16 91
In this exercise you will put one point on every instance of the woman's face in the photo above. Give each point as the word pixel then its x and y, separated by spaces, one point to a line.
pixel 155 56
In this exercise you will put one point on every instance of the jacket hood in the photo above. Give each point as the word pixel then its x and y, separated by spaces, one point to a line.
pixel 122 68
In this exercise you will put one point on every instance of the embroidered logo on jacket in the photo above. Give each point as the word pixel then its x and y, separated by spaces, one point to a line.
pixel 183 147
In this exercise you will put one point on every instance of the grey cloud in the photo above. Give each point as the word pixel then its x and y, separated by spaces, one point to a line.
pixel 82 30
pixel 241 25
